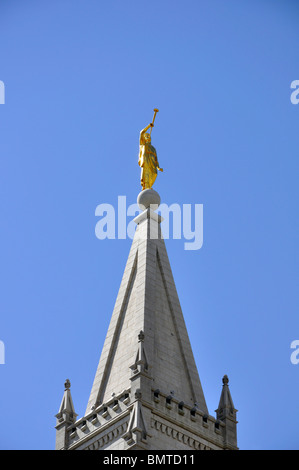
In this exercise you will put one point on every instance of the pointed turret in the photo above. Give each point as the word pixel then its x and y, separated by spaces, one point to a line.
pixel 227 414
pixel 65 417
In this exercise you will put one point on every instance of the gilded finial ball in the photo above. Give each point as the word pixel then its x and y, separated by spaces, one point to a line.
pixel 148 198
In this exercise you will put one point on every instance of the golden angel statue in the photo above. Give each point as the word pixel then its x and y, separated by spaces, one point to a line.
pixel 148 157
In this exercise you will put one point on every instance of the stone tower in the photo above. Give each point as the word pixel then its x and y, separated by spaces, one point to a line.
pixel 146 393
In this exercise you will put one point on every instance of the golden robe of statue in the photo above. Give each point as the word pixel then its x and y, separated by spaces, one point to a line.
pixel 147 159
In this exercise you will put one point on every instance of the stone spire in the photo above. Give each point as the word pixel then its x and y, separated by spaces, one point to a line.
pixel 227 414
pixel 146 392
pixel 65 417
pixel 148 304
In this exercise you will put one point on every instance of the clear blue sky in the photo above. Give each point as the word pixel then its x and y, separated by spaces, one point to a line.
pixel 81 80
